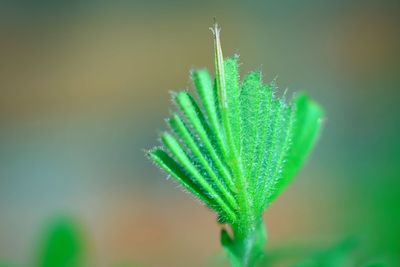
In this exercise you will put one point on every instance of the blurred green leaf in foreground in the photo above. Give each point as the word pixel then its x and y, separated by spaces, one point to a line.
pixel 63 246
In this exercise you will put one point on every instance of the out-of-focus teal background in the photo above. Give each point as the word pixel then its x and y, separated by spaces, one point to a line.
pixel 84 88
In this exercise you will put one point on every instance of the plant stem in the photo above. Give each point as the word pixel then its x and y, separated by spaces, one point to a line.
pixel 246 248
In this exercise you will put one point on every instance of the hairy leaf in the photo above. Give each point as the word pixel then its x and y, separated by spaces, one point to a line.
pixel 239 146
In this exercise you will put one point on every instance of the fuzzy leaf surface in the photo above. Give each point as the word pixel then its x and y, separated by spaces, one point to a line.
pixel 237 156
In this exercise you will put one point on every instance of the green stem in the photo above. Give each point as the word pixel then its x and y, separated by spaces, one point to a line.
pixel 244 249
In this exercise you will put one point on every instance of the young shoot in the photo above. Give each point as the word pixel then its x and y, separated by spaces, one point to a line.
pixel 237 148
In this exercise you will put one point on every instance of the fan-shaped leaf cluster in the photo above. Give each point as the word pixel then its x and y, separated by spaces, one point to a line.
pixel 237 146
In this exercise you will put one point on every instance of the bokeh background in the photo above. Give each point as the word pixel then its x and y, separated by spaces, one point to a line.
pixel 84 88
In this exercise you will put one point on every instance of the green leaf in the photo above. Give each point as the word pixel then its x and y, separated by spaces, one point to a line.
pixel 172 168
pixel 307 127
pixel 281 141
pixel 179 154
pixel 250 107
pixel 63 246
pixel 208 97
pixel 266 112
pixel 202 132
pixel 339 255
pixel 233 110
pixel 179 127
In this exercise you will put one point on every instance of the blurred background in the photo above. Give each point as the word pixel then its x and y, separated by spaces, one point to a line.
pixel 84 88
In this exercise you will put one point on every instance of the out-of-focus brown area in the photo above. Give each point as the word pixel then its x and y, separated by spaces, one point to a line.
pixel 84 88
